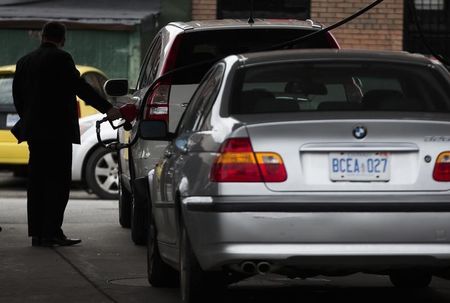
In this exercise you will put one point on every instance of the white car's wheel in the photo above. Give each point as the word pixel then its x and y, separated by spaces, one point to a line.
pixel 102 173
pixel 191 275
pixel 159 273
pixel 138 228
pixel 196 285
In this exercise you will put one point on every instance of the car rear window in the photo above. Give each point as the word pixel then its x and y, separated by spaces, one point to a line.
pixel 339 86
pixel 213 45
pixel 6 97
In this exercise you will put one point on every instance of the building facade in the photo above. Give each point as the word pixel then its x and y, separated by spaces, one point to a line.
pixel 114 35
pixel 111 35
pixel 389 26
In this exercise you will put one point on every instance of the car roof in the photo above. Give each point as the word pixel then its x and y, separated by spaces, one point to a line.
pixel 7 69
pixel 243 23
pixel 332 54
pixel 11 69
pixel 85 69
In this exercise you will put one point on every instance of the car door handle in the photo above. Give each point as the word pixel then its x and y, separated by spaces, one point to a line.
pixel 184 105
pixel 136 99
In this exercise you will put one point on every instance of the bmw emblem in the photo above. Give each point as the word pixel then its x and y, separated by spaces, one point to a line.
pixel 359 132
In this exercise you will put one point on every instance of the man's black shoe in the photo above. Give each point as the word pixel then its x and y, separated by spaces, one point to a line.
pixel 59 242
pixel 35 241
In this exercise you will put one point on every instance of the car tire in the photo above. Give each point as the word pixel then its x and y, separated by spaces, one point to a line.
pixel 191 275
pixel 410 279
pixel 124 206
pixel 159 274
pixel 102 173
pixel 138 229
pixel 196 285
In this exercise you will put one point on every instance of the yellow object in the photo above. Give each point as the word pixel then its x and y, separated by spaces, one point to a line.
pixel 11 153
pixel 444 157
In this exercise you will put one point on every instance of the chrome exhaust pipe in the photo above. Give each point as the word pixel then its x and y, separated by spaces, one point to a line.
pixel 248 267
pixel 263 268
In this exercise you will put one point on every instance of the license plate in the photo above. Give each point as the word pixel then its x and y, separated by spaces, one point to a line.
pixel 11 119
pixel 350 166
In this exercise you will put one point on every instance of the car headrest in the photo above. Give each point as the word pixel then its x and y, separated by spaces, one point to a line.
pixel 383 99
pixel 262 101
pixel 306 88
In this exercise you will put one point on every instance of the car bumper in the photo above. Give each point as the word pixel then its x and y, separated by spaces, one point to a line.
pixel 367 236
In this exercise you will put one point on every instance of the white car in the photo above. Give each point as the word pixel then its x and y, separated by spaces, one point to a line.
pixel 304 163
pixel 93 164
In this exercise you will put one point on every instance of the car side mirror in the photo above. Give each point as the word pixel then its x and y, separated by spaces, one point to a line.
pixel 116 87
pixel 154 130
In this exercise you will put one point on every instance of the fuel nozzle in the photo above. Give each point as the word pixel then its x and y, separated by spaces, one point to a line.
pixel 128 112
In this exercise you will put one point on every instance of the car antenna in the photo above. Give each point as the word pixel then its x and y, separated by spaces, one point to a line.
pixel 251 21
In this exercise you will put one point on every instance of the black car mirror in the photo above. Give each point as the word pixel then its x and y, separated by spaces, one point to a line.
pixel 154 130
pixel 116 87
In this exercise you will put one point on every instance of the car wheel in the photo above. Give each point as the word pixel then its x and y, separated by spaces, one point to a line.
pixel 196 285
pixel 410 279
pixel 124 207
pixel 138 230
pixel 191 275
pixel 159 273
pixel 102 173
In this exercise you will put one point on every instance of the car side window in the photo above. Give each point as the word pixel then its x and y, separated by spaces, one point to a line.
pixel 151 65
pixel 202 100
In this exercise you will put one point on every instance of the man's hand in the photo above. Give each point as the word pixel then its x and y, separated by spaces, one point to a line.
pixel 113 114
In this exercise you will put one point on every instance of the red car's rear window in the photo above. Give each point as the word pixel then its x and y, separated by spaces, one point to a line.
pixel 213 45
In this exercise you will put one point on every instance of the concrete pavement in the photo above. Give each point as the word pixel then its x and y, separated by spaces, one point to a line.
pixel 106 267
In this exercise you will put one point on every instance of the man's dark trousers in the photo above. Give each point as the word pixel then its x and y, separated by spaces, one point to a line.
pixel 50 169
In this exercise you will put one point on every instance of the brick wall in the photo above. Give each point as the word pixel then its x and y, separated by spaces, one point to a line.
pixel 204 9
pixel 379 29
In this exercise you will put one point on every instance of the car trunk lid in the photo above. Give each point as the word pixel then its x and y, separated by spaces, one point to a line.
pixel 327 155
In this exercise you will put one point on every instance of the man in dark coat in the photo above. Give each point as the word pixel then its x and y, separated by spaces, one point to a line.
pixel 45 87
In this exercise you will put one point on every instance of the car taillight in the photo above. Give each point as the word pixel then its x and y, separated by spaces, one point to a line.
pixel 272 167
pixel 442 167
pixel 238 162
pixel 157 103
pixel 332 41
pixel 172 56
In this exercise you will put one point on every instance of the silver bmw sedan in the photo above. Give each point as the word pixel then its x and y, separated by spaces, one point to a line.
pixel 304 163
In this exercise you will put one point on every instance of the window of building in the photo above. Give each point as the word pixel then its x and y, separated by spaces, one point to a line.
pixel 434 18
pixel 429 4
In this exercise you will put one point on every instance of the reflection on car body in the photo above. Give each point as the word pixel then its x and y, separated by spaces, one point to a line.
pixel 265 173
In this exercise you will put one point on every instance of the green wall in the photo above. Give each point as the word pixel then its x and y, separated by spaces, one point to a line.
pixel 175 10
pixel 109 51
pixel 15 44
pixel 114 52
